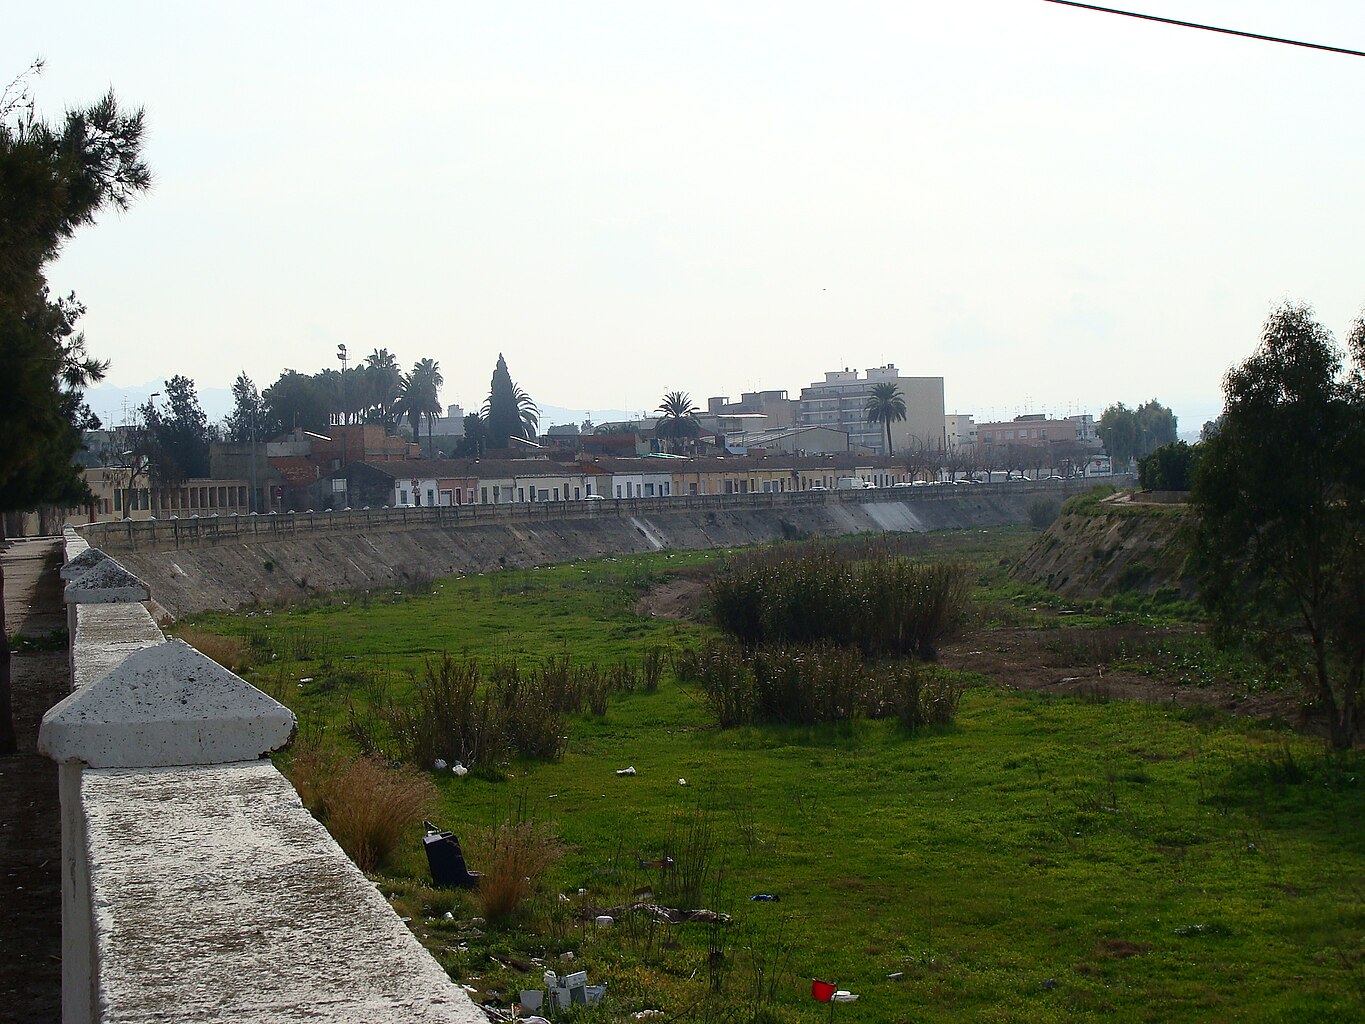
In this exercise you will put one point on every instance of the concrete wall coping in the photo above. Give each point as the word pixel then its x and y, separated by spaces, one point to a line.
pixel 218 897
pixel 105 582
pixel 74 542
pixel 78 565
pixel 105 634
pixel 165 705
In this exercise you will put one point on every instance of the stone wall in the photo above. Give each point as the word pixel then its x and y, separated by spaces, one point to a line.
pixel 195 884
pixel 223 565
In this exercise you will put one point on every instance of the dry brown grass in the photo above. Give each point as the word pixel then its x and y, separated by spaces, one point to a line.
pixel 514 858
pixel 366 805
pixel 228 651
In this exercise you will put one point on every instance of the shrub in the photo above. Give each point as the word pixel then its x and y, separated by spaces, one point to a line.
pixel 529 718
pixel 364 804
pixel 447 716
pixel 456 714
pixel 514 857
pixel 1168 468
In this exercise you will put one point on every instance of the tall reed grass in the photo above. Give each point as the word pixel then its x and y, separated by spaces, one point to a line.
pixel 803 684
pixel 461 711
pixel 868 597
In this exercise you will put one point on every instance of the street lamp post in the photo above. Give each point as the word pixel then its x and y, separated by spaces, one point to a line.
pixel 341 354
pixel 252 503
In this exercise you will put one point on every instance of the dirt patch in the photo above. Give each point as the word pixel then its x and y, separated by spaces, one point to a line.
pixel 683 597
pixel 1076 663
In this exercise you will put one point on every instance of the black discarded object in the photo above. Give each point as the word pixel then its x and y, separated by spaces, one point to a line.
pixel 446 860
pixel 765 897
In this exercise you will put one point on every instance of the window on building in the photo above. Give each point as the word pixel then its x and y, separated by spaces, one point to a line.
pixel 431 496
pixel 483 495
pixel 402 497
pixel 649 490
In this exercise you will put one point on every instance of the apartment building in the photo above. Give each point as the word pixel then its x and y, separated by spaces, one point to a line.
pixel 839 400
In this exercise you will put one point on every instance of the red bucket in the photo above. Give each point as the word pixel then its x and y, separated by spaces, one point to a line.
pixel 821 991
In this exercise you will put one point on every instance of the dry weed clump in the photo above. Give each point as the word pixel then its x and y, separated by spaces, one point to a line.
pixel 229 651
pixel 366 805
pixel 514 857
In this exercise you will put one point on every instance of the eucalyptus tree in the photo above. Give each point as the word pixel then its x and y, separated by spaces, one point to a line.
pixel 1279 539
pixel 885 405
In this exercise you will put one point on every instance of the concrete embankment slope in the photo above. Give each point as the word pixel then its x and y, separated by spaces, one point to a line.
pixel 1110 547
pixel 230 573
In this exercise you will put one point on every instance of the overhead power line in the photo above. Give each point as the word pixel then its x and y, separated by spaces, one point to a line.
pixel 1210 28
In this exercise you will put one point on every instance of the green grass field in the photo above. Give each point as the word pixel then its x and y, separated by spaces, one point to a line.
pixel 1042 859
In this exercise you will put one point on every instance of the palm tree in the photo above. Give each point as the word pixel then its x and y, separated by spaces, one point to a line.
pixel 383 381
pixel 420 397
pixel 527 412
pixel 679 418
pixel 886 406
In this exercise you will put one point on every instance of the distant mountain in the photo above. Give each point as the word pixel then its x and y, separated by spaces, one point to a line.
pixel 555 415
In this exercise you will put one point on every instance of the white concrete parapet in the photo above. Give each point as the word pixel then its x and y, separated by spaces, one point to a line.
pixel 195 885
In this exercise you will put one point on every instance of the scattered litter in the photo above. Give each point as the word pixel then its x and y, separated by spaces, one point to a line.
pixel 553 796
pixel 626 771
pixel 765 897
pixel 682 782
pixel 895 976
pixel 306 679
pixel 648 1015
pixel 605 920
pixel 844 996
pixel 532 999
pixel 449 916
pixel 459 770
pixel 567 956
pixel 440 765
pixel 1049 984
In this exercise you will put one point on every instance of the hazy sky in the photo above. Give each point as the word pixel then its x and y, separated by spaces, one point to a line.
pixel 1053 209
